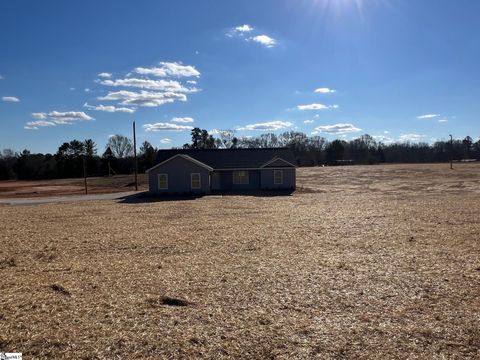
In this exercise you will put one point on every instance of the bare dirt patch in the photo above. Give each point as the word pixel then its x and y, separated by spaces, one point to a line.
pixel 382 262
pixel 62 187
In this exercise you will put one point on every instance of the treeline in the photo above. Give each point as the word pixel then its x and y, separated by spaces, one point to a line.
pixel 316 150
pixel 313 151
pixel 73 157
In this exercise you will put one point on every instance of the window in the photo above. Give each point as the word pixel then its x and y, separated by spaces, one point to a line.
pixel 240 177
pixel 195 181
pixel 278 177
pixel 162 181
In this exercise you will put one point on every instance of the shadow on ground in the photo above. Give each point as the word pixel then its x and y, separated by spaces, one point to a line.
pixel 146 197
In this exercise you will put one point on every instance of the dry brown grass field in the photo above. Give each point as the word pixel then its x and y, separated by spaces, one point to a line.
pixel 60 187
pixel 362 262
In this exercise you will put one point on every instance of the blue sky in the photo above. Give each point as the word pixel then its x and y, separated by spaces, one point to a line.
pixel 397 70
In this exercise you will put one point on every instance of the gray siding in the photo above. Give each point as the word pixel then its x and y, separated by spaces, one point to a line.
pixel 179 170
pixel 226 181
pixel 268 183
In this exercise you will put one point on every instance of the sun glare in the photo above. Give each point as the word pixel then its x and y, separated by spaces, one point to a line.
pixel 340 7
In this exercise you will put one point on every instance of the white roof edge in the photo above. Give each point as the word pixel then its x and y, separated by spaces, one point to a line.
pixel 186 157
pixel 275 159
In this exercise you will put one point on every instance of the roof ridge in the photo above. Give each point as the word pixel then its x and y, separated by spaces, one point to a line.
pixel 231 158
pixel 230 149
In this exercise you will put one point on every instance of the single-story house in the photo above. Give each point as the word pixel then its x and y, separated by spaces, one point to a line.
pixel 221 170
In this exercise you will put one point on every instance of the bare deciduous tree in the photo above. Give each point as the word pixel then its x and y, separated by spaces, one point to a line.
pixel 120 145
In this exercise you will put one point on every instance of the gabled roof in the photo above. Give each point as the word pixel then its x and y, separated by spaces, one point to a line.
pixel 186 157
pixel 277 160
pixel 232 158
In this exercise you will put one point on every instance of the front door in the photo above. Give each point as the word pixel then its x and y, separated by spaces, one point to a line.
pixel 215 181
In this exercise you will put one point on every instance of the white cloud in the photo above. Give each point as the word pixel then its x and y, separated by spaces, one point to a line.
pixel 239 31
pixel 40 123
pixel 442 120
pixel 428 116
pixel 10 99
pixel 86 90
pixel 169 69
pixel 309 121
pixel 144 98
pixel 68 116
pixel 161 85
pixel 1 77
pixel 39 116
pixel 386 132
pixel 244 28
pixel 55 118
pixel 166 127
pixel 165 141
pixel 316 106
pixel 152 92
pixel 264 40
pixel 336 129
pixel 226 132
pixel 271 125
pixel 312 107
pixel 411 137
pixel 109 108
pixel 33 125
pixel 182 120
pixel 325 90
pixel 72 89
pixel 383 139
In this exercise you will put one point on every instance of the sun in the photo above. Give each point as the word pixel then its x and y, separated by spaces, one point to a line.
pixel 337 9
pixel 338 6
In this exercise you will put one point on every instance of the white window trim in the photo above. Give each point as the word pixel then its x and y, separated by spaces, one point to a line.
pixel 247 177
pixel 199 181
pixel 275 177
pixel 158 179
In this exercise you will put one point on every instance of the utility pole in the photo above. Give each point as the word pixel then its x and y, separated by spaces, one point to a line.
pixel 135 156
pixel 85 173
pixel 451 152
